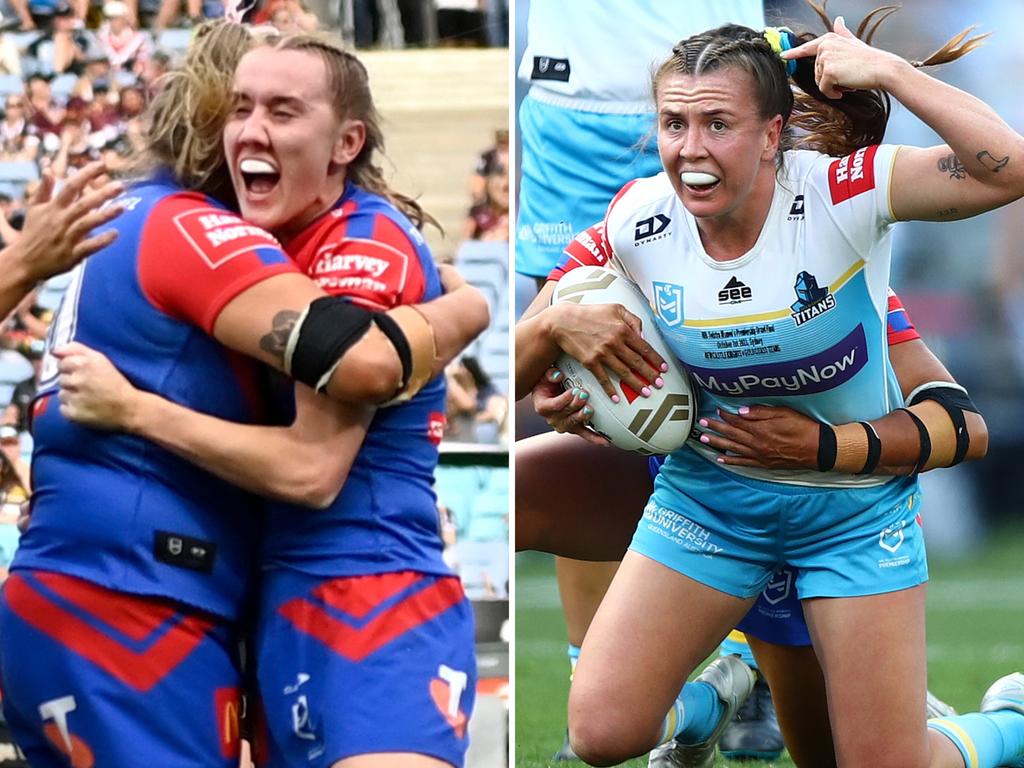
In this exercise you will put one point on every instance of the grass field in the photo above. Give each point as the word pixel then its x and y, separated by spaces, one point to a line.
pixel 975 635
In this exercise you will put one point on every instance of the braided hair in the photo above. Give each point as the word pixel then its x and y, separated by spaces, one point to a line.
pixel 811 120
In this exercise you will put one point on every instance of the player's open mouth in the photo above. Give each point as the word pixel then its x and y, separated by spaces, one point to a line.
pixel 699 182
pixel 259 176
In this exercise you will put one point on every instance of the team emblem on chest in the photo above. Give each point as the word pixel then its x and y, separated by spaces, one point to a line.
pixel 812 300
pixel 668 300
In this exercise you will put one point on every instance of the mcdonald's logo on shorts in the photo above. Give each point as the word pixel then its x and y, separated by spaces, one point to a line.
pixel 227 704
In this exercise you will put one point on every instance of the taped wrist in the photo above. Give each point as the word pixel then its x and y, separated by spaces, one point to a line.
pixel 413 339
pixel 826 447
pixel 324 332
pixel 852 448
pixel 874 449
pixel 940 407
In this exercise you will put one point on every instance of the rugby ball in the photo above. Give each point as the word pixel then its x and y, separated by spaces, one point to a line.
pixel 657 424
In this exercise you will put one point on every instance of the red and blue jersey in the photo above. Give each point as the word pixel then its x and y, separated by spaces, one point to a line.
pixel 118 510
pixel 385 518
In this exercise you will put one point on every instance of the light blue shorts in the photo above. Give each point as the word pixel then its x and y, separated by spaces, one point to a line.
pixel 573 164
pixel 732 533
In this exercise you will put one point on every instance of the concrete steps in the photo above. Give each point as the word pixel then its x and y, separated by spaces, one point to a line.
pixel 440 107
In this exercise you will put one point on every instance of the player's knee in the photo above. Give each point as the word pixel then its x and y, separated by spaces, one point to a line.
pixel 606 739
pixel 892 756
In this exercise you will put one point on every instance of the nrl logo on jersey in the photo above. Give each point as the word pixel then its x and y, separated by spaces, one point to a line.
pixel 812 300
pixel 668 300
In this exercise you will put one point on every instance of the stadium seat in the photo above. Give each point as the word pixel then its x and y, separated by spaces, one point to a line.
pixel 174 39
pixel 11 84
pixel 18 171
pixel 62 86
pixel 14 369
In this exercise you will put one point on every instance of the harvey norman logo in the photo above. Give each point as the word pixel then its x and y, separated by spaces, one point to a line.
pixel 806 376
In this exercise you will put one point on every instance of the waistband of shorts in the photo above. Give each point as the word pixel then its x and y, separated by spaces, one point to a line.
pixel 553 99
pixel 786 489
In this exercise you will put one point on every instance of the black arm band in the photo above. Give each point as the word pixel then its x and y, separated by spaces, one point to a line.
pixel 874 449
pixel 398 340
pixel 826 447
pixel 926 441
pixel 955 401
pixel 322 336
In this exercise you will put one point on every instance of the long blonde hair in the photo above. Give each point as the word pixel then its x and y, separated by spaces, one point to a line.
pixel 184 124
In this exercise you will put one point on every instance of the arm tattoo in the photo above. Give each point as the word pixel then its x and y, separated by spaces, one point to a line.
pixel 990 162
pixel 947 212
pixel 275 342
pixel 951 164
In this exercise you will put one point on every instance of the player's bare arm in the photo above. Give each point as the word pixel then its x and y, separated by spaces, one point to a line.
pixel 980 167
pixel 304 463
pixel 779 437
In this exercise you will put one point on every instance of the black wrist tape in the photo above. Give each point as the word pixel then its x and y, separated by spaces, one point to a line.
pixel 826 447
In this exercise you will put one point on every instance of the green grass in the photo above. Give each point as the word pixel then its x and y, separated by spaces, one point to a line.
pixel 975 635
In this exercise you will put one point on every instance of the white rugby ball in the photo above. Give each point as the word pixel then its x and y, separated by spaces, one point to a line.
pixel 657 424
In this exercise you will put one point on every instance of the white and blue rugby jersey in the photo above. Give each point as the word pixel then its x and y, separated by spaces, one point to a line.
pixel 799 320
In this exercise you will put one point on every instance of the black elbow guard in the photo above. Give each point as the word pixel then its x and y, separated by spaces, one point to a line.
pixel 323 334
pixel 954 399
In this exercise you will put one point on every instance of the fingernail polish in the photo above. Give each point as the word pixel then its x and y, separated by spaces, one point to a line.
pixel 615 398
pixel 555 376
pixel 588 411
pixel 664 367
pixel 705 439
pixel 744 410
pixel 575 391
pixel 659 382
pixel 703 422
pixel 584 394
pixel 720 460
pixel 646 391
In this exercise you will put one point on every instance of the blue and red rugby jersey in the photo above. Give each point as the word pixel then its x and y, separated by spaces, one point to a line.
pixel 385 518
pixel 118 510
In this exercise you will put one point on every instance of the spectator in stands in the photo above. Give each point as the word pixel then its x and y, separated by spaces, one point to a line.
pixel 10 56
pixel 491 160
pixel 476 411
pixel 153 68
pixel 14 470
pixel 460 22
pixel 169 10
pixel 488 220
pixel 132 102
pixel 45 117
pixel 287 15
pixel 16 140
pixel 66 47
pixel 75 150
pixel 122 43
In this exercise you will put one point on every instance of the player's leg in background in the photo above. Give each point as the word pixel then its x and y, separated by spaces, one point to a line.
pixel 874 644
pixel 798 690
pixel 754 731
